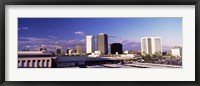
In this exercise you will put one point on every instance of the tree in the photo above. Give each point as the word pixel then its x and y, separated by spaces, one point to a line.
pixel 146 57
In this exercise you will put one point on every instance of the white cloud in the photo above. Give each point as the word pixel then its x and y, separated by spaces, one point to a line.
pixel 80 33
pixel 23 28
pixel 53 37
pixel 115 39
pixel 28 46
pixel 49 43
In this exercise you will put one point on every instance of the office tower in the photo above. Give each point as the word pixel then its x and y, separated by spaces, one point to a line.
pixel 102 43
pixel 90 44
pixel 79 49
pixel 151 45
pixel 176 51
pixel 116 48
pixel 58 51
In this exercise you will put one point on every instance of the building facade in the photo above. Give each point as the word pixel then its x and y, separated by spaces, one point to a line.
pixel 58 51
pixel 102 43
pixel 35 59
pixel 116 48
pixel 90 44
pixel 71 51
pixel 176 51
pixel 151 45
pixel 79 49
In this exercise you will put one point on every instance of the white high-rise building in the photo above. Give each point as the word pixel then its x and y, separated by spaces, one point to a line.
pixel 176 51
pixel 151 45
pixel 90 44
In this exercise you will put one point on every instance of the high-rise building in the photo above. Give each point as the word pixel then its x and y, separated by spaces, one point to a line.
pixel 79 49
pixel 58 51
pixel 102 43
pixel 151 45
pixel 116 48
pixel 176 51
pixel 90 44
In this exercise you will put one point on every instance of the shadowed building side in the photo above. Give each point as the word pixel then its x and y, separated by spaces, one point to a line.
pixel 58 51
pixel 116 48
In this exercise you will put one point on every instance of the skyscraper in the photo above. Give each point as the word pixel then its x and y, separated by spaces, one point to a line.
pixel 79 49
pixel 90 44
pixel 151 45
pixel 116 48
pixel 102 43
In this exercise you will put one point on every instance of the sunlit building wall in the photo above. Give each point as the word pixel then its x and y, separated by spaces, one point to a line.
pixel 176 51
pixel 90 44
pixel 151 45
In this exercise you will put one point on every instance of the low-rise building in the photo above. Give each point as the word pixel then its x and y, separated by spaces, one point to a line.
pixel 176 51
pixel 35 59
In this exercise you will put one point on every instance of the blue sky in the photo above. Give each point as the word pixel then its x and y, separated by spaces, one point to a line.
pixel 67 32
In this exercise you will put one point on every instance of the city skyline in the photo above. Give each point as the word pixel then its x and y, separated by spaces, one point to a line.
pixel 68 32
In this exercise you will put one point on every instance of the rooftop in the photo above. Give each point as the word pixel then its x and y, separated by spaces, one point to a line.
pixel 33 54
pixel 30 52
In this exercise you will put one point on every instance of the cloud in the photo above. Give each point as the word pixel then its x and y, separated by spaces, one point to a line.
pixel 32 39
pixel 131 45
pixel 114 39
pixel 49 43
pixel 23 28
pixel 28 46
pixel 80 33
pixel 127 44
pixel 53 37
pixel 111 36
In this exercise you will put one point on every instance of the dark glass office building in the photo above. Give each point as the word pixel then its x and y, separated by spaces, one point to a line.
pixel 116 47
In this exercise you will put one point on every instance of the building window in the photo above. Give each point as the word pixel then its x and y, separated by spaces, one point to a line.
pixel 47 63
pixel 28 63
pixel 23 63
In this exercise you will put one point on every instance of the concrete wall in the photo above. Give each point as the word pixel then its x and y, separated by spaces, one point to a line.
pixel 35 62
